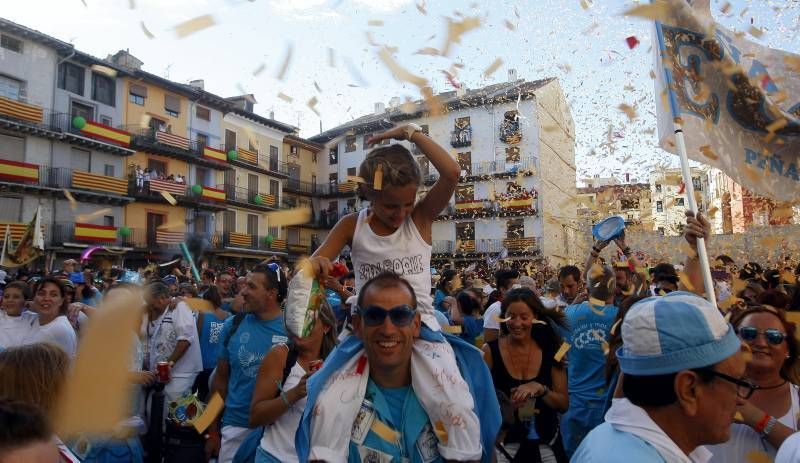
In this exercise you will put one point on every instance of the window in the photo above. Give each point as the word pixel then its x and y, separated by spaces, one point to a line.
pixel 465 161
pixel 658 188
pixel 292 236
pixel 230 140
pixel 10 209
pixel 273 231
pixel 351 171
pixel 679 202
pixel 200 223
pixel 137 94
pixel 314 181
pixel 109 171
pixel 273 153
pixel 172 105
pixel 70 78
pixel 105 120
pixel 103 89
pixel 11 88
pixel 515 228
pixel 333 156
pixel 251 146
pixel 462 123
pixel 314 157
pixel 333 179
pixel 202 140
pixel 252 224
pixel 465 193
pixel 697 184
pixel 12 149
pixel 273 188
pixel 229 221
pixel 82 110
pixel 629 203
pixel 465 231
pixel 659 206
pixel 158 125
pixel 202 113
pixel 201 176
pixel 157 166
pixel 108 220
pixel 349 143
pixel 293 151
pixel 11 43
pixel 512 154
pixel 364 144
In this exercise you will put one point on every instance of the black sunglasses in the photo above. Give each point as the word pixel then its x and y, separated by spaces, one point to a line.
pixel 744 388
pixel 401 316
pixel 750 333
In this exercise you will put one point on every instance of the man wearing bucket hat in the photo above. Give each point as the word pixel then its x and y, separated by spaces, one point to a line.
pixel 682 366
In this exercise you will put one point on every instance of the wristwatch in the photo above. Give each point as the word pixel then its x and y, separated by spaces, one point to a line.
pixel 411 129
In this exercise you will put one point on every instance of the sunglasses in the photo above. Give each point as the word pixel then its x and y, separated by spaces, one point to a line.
pixel 401 316
pixel 750 333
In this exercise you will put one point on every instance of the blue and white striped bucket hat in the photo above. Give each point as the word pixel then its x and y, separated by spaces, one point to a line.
pixel 679 331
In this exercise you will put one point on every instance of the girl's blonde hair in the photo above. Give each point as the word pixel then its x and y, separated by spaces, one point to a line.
pixel 34 374
pixel 398 165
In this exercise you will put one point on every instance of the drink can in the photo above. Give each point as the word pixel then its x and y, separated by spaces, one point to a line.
pixel 162 371
pixel 314 365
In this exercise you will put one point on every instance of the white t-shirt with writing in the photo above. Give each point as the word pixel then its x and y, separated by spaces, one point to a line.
pixel 160 336
pixel 18 331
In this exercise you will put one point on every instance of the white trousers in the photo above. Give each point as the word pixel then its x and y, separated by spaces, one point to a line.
pixel 232 437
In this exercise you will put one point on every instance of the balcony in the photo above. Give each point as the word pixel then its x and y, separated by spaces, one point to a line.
pixel 59 233
pixel 324 220
pixel 305 188
pixel 29 178
pixel 487 170
pixel 501 206
pixel 250 198
pixel 510 133
pixel 461 137
pixel 251 160
pixel 265 244
pixel 301 246
pixel 178 147
pixel 525 246
pixel 30 119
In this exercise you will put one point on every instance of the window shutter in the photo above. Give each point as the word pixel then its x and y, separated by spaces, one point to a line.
pixel 139 90
pixel 172 103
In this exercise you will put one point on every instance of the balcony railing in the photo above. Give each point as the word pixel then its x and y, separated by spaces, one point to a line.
pixel 61 177
pixel 298 186
pixel 461 137
pixel 246 195
pixel 58 233
pixel 229 239
pixel 510 134
pixel 500 168
pixel 525 245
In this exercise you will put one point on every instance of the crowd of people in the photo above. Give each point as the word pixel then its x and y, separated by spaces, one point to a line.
pixel 588 363
pixel 145 175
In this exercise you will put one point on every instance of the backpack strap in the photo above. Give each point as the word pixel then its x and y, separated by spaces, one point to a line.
pixel 237 320
pixel 291 359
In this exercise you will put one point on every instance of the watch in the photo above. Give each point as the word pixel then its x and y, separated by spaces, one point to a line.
pixel 411 129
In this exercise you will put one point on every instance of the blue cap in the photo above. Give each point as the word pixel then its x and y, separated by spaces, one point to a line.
pixel 170 280
pixel 77 278
pixel 679 331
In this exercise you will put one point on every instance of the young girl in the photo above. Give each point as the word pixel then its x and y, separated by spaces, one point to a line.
pixel 394 234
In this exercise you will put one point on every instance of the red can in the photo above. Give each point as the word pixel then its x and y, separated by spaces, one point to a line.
pixel 314 365
pixel 163 372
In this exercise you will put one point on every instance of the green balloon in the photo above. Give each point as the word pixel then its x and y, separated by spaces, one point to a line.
pixel 197 189
pixel 269 239
pixel 232 155
pixel 124 232
pixel 78 122
pixel 258 200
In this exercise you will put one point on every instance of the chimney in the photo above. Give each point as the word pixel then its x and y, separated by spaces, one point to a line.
pixel 124 59
pixel 272 115
pixel 244 102
pixel 512 75
pixel 380 108
pixel 198 83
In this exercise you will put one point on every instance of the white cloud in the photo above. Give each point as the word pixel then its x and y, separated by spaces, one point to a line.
pixel 382 6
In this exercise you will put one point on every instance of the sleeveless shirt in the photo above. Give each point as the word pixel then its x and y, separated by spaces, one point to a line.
pixel 278 438
pixel 404 252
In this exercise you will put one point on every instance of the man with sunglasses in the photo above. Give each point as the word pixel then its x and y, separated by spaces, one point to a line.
pixel 682 368
pixel 391 424
pixel 244 341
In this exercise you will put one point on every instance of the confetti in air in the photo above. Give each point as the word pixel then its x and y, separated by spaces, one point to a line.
pixel 194 25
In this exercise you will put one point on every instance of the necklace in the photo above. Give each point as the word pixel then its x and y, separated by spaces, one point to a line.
pixel 766 388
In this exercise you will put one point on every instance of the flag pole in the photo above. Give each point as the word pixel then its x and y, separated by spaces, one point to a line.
pixel 686 173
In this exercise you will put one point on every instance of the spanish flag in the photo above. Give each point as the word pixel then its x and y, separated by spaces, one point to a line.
pixel 214 154
pixel 90 232
pixel 106 133
pixel 14 171
pixel 213 194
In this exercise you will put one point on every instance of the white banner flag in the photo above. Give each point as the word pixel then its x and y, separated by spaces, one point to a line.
pixel 738 102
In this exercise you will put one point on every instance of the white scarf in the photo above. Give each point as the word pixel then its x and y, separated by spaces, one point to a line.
pixel 627 417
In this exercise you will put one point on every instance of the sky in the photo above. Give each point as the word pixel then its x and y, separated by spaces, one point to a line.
pixel 331 47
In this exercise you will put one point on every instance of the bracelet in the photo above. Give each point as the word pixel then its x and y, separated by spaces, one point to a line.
pixel 768 428
pixel 285 400
pixel 761 424
pixel 544 392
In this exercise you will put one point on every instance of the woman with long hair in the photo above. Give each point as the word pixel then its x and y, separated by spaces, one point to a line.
pixel 50 302
pixel 279 396
pixel 525 372
pixel 448 284
pixel 769 416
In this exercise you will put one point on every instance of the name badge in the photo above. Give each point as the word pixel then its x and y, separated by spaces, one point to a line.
pixel 428 445
pixel 369 455
pixel 363 423
pixel 278 339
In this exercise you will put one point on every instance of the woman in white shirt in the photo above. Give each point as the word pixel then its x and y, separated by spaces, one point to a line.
pixel 17 326
pixel 278 402
pixel 50 302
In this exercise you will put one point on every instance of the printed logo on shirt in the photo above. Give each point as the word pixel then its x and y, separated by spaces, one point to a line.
pixel 249 362
pixel 589 336
pixel 214 330
pixel 369 455
pixel 427 445
pixel 411 265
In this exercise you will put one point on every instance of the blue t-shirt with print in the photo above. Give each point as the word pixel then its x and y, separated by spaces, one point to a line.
pixel 398 409
pixel 247 347
pixel 589 327
pixel 210 339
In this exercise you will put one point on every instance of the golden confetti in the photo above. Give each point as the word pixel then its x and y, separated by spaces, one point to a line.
pixel 398 71
pixel 628 110
pixel 509 25
pixel 170 199
pixel 755 32
pixel 615 326
pixel 199 305
pixel 706 151
pixel 193 25
pixel 427 51
pixel 285 97
pixel 147 33
pixel 586 4
pixel 738 417
pixel 297 216
pixel 356 179
pixel 421 7
pixel 500 319
pixel 777 125
pixel 316 85
pixel 656 11
pixel 312 103
pixel 105 70
pixel 210 414
pixel 175 223
pixel 286 61
pixel 455 29
pixel 105 350
pixel 72 203
pixel 257 71
pixel 492 67
pixel 377 181
pixel 91 215
pixel 452 329
pixel 757 456
pixel 375 22
pixel 562 351
pixel 726 8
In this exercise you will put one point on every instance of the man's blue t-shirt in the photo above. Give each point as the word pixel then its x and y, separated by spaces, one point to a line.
pixel 589 328
pixel 247 347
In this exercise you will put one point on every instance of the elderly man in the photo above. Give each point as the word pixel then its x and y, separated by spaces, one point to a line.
pixel 391 424
pixel 682 367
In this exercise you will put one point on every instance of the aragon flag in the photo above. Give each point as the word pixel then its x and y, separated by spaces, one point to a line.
pixel 738 102
pixel 29 247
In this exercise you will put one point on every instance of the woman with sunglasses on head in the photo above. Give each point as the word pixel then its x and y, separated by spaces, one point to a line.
pixel 770 414
pixel 525 372
pixel 279 396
